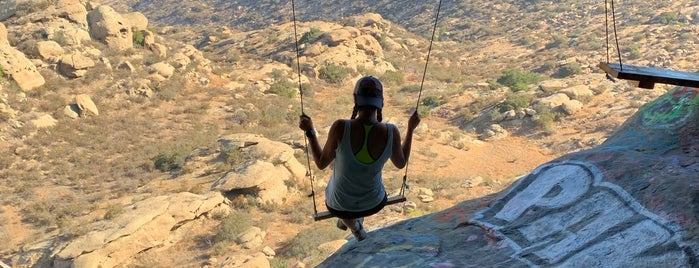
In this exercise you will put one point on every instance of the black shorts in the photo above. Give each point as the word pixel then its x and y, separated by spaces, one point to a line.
pixel 355 215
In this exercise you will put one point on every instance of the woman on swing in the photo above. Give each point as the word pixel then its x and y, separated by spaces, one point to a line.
pixel 360 147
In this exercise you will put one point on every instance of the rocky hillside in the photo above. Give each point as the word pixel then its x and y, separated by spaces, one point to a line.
pixel 134 135
pixel 629 202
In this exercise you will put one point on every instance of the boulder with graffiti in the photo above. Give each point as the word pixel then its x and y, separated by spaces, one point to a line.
pixel 633 201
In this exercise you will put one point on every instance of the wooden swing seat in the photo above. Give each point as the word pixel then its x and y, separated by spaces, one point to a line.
pixel 648 76
pixel 391 200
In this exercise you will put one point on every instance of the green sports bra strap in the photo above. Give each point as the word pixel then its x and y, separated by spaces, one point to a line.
pixel 363 154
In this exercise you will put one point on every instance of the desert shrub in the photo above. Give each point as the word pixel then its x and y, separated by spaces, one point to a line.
pixel 393 77
pixel 283 88
pixel 558 41
pixel 231 226
pixel 518 80
pixel 410 89
pixel 545 119
pixel 310 36
pixel 569 69
pixel 432 101
pixel 166 162
pixel 514 101
pixel 54 212
pixel 307 90
pixel 113 211
pixel 668 17
pixel 423 111
pixel 333 73
pixel 305 243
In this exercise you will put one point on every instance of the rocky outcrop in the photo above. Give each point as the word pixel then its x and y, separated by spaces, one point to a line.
pixel 109 27
pixel 630 202
pixel 156 222
pixel 266 177
pixel 74 65
pixel 16 65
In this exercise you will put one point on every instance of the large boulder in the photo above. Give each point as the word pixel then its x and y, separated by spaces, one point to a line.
pixel 137 20
pixel 630 202
pixel 73 10
pixel 109 27
pixel 156 222
pixel 15 64
pixel 266 177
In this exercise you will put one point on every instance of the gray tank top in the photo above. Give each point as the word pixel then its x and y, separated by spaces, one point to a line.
pixel 355 186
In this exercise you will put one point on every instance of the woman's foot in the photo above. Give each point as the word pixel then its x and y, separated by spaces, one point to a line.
pixel 359 233
pixel 341 225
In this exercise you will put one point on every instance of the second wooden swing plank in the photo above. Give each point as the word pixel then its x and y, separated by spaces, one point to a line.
pixel 649 76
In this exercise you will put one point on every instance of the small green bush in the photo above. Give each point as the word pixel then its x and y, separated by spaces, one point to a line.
pixel 432 101
pixel 333 73
pixel 393 78
pixel 231 226
pixel 305 243
pixel 514 101
pixel 568 69
pixel 545 119
pixel 668 17
pixel 138 38
pixel 113 211
pixel 518 80
pixel 166 162
pixel 310 36
pixel 410 88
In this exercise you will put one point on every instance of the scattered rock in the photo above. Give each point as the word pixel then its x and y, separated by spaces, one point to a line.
pixel 579 92
pixel 85 104
pixel 163 69
pixel 72 111
pixel 553 101
pixel 126 66
pixel 48 49
pixel 269 252
pixel 74 65
pixel 494 132
pixel 251 238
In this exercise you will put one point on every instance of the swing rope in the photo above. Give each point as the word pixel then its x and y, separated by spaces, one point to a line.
pixel 422 82
pixel 305 139
pixel 606 30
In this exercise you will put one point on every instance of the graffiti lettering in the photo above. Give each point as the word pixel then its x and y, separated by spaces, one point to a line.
pixel 563 213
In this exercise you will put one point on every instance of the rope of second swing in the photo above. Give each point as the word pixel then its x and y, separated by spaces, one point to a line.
pixel 305 139
pixel 422 82
pixel 606 30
